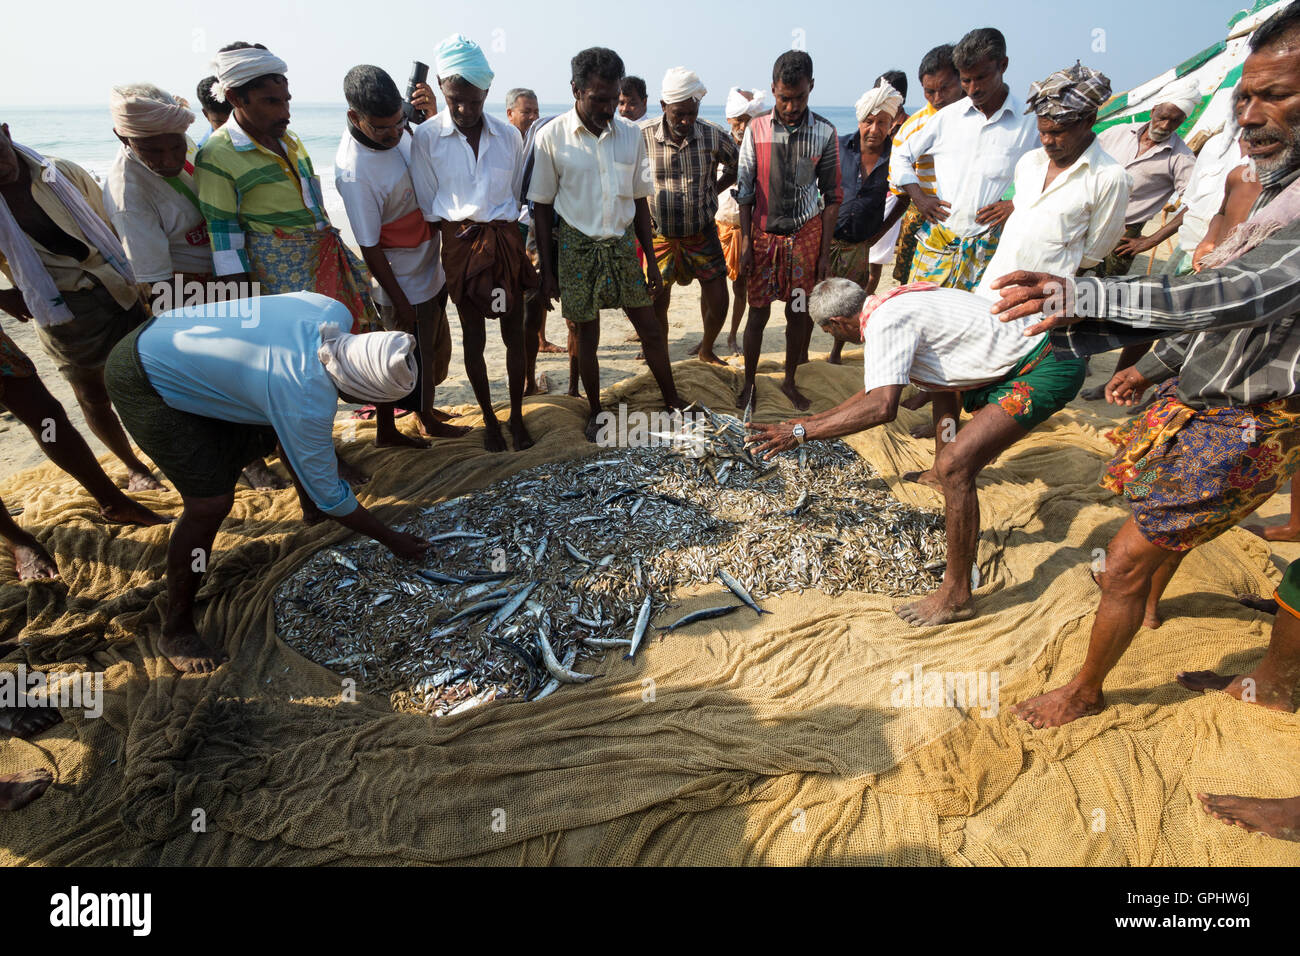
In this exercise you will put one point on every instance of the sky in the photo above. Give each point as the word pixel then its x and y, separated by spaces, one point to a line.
pixel 171 42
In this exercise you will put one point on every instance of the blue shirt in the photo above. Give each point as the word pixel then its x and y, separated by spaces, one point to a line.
pixel 254 361
pixel 862 210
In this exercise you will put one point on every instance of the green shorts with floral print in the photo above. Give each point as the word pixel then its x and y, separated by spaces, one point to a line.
pixel 598 274
pixel 1041 385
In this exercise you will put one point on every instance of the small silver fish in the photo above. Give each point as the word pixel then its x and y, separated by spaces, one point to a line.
pixel 576 554
pixel 738 589
pixel 558 670
pixel 702 615
pixel 512 605
pixel 638 634
pixel 455 535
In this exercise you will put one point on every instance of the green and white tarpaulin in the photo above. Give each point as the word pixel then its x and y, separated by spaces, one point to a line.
pixel 1216 70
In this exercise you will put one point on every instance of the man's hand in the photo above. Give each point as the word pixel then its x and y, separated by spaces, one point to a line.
pixel 769 440
pixel 1029 293
pixel 746 256
pixel 824 265
pixel 11 300
pixel 550 291
pixel 932 208
pixel 407 546
pixel 1203 249
pixel 995 213
pixel 1132 246
pixel 423 99
pixel 404 318
pixel 654 282
pixel 1126 387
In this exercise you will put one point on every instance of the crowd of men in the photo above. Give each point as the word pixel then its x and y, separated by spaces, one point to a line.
pixel 1011 225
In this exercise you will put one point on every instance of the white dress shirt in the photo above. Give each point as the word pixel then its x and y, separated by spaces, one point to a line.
pixel 455 185
pixel 1075 222
pixel 1203 196
pixel 592 181
pixel 974 157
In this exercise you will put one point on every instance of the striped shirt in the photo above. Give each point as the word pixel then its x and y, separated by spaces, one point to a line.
pixel 925 165
pixel 788 173
pixel 940 339
pixel 686 176
pixel 245 187
pixel 1236 329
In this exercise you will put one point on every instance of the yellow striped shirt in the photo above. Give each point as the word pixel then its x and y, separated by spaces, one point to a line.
pixel 924 165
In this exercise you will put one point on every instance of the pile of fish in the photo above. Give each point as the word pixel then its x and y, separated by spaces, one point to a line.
pixel 534 579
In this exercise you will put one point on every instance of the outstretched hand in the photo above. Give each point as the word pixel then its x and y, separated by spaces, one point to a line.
pixel 769 440
pixel 1027 294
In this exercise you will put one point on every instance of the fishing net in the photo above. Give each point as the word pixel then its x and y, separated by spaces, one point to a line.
pixel 806 735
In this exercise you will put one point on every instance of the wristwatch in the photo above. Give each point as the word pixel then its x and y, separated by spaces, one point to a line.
pixel 800 433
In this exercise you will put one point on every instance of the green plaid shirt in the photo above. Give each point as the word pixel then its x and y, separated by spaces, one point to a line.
pixel 686 176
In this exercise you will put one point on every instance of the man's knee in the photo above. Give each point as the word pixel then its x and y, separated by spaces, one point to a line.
pixel 1130 562
pixel 209 509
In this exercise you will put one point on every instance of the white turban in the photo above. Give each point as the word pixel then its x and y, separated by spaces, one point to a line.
pixel 883 98
pixel 1184 94
pixel 375 367
pixel 680 85
pixel 237 67
pixel 756 104
pixel 138 115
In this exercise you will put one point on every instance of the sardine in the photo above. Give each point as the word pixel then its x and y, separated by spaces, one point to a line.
pixel 558 670
pixel 576 554
pixel 457 535
pixel 482 607
pixel 704 615
pixel 437 577
pixel 638 634
pixel 738 589
pixel 555 683
pixel 509 608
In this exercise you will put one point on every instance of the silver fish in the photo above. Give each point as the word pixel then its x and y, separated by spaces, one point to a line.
pixel 482 607
pixel 576 554
pixel 702 615
pixel 509 608
pixel 558 670
pixel 638 634
pixel 456 535
pixel 554 684
pixel 738 589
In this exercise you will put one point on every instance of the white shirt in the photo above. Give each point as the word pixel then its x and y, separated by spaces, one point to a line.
pixel 455 185
pixel 592 181
pixel 941 339
pixel 161 230
pixel 1075 222
pixel 974 157
pixel 377 191
pixel 1203 196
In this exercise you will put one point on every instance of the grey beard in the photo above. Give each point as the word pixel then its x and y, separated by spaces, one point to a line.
pixel 1276 168
pixel 1158 137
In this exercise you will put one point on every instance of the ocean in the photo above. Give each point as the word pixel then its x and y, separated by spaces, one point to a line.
pixel 84 135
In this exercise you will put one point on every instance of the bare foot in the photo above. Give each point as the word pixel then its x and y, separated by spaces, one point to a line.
pixel 351 473
pixel 937 608
pixel 922 431
pixel 834 359
pixel 1257 603
pixel 747 396
pixel 190 654
pixel 33 562
pixel 19 789
pixel 542 386
pixel 694 349
pixel 573 391
pixel 1266 692
pixel 593 428
pixel 731 344
pixel 28 721
pixel 709 358
pixel 1278 818
pixel 263 478
pixel 127 511
pixel 397 439
pixel 438 415
pixel 432 427
pixel 1281 532
pixel 926 478
pixel 311 514
pixel 796 397
pixel 519 436
pixel 1058 707
pixel 142 481
pixel 550 348
pixel 492 437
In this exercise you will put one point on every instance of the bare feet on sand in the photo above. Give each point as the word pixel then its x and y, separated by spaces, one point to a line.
pixel 542 386
pixel 493 440
pixel 19 789
pixel 395 438
pixel 191 654
pixel 593 427
pixel 1059 706
pixel 550 348
pixel 1278 818
pixel 519 436
pixel 709 358
pixel 796 397
pixel 1281 532
pixel 127 511
pixel 937 608
pixel 922 431
pixel 311 515
pixel 926 478
pixel 33 563
pixel 26 722
pixel 142 481
pixel 733 346
pixel 433 427
pixel 263 478
pixel 1252 688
